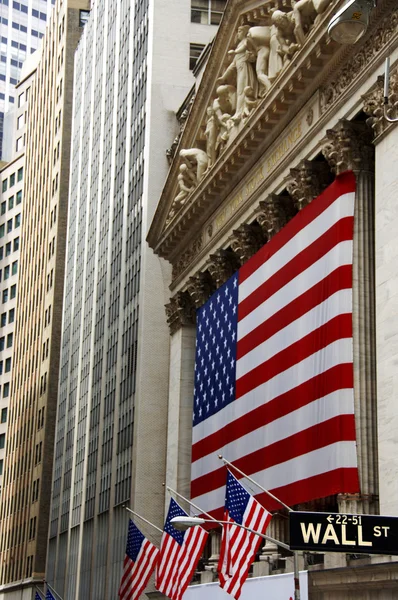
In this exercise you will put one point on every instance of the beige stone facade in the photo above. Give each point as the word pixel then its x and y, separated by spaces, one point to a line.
pixel 320 114
pixel 29 453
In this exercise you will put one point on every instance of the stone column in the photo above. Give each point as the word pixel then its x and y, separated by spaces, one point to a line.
pixel 181 319
pixel 349 146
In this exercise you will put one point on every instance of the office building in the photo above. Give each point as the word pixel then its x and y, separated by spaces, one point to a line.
pixel 22 26
pixel 132 72
pixel 38 311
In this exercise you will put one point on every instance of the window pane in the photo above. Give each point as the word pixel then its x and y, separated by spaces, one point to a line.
pixel 4 415
pixel 12 179
pixel 5 295
pixel 10 202
pixel 3 207
pixel 9 226
pixel 4 186
pixel 2 440
pixel 8 248
pixel 16 244
pixel 20 174
pixel 3 319
pixel 8 365
pixel 19 197
pixel 9 341
pixel 17 220
pixel 11 315
pixel 14 267
pixel 6 272
pixel 13 291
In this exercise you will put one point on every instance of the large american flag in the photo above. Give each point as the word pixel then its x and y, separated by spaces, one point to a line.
pixel 274 363
pixel 180 552
pixel 239 546
pixel 139 563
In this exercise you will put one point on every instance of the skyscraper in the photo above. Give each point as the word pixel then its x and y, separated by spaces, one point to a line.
pixel 132 72
pixel 22 25
pixel 38 311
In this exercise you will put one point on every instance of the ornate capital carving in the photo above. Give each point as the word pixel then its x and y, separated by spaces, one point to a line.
pixel 180 311
pixel 274 213
pixel 200 288
pixel 247 240
pixel 349 146
pixel 223 265
pixel 307 181
pixel 373 104
pixel 188 256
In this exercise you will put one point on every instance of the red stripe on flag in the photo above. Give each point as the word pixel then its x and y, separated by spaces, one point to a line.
pixel 343 184
pixel 337 429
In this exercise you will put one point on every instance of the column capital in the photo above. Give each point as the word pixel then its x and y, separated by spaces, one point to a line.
pixel 307 181
pixel 373 104
pixel 223 265
pixel 274 213
pixel 200 287
pixel 247 240
pixel 349 147
pixel 180 311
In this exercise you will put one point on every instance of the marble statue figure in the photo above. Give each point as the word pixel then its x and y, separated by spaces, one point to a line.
pixel 282 44
pixel 192 157
pixel 306 11
pixel 258 40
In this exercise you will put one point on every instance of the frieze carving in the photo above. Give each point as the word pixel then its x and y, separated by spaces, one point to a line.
pixel 349 146
pixel 200 287
pixel 373 104
pixel 361 59
pixel 222 266
pixel 247 240
pixel 180 311
pixel 307 181
pixel 274 213
pixel 264 46
pixel 188 256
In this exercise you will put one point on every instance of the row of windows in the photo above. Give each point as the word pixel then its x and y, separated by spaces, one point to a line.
pixel 17 223
pixel 207 12
pixel 11 317
pixel 11 180
pixel 10 247
pixel 9 270
pixel 10 337
pixel 13 293
pixel 12 201
pixel 6 367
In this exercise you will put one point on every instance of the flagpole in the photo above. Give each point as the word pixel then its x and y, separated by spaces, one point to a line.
pixel 52 589
pixel 294 552
pixel 202 512
pixel 220 456
pixel 142 519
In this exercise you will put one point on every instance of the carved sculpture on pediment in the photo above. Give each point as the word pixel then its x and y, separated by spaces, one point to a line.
pixel 247 240
pixel 307 181
pixel 259 44
pixel 180 311
pixel 283 42
pixel 241 70
pixel 306 13
pixel 374 104
pixel 274 213
pixel 222 266
pixel 197 161
pixel 186 181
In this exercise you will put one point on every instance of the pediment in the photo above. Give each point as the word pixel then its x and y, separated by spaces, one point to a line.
pixel 264 57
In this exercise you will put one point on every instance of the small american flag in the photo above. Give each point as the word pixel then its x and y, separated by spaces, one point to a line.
pixel 239 546
pixel 139 564
pixel 38 596
pixel 274 364
pixel 179 554
pixel 49 595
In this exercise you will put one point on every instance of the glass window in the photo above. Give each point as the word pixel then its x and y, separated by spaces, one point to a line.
pixel 3 207
pixel 10 202
pixel 4 319
pixel 2 440
pixel 1 252
pixel 9 226
pixel 13 291
pixel 8 365
pixel 9 340
pixel 195 50
pixel 19 144
pixel 4 415
pixel 8 248
pixel 17 220
pixel 12 179
pixel 11 315
pixel 14 267
pixel 1 367
pixel 4 186
pixel 21 99
pixel 6 391
pixel 20 174
pixel 19 197
pixel 83 17
pixel 6 272
pixel 2 342
pixel 16 244
pixel 1 467
pixel 5 295
pixel 21 121
pixel 2 230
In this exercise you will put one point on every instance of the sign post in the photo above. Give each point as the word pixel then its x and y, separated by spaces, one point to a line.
pixel 339 532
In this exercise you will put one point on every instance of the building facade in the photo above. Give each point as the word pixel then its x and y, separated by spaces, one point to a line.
pixel 281 110
pixel 38 312
pixel 22 26
pixel 132 72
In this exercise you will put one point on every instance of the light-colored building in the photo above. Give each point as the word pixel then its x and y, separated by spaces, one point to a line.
pixel 132 73
pixel 22 26
pixel 297 109
pixel 38 311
